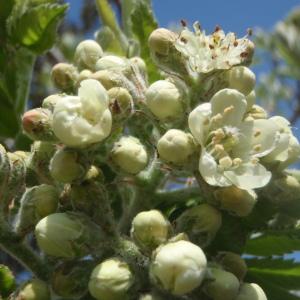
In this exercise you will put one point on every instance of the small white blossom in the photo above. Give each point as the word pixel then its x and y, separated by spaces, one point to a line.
pixel 85 119
pixel 232 145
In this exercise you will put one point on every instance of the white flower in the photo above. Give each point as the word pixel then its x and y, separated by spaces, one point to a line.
pixel 232 145
pixel 85 119
pixel 179 267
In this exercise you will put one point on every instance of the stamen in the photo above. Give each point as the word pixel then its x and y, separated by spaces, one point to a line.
pixel 257 147
pixel 216 118
pixel 225 162
pixel 237 161
pixel 228 109
pixel 257 133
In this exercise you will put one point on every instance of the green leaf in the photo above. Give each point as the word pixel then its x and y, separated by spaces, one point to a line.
pixel 7 281
pixel 282 272
pixel 35 29
pixel 143 23
pixel 272 244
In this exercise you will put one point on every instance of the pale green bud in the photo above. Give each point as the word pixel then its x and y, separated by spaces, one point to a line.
pixel 233 263
pixel 201 223
pixel 164 100
pixel 224 286
pixel 242 79
pixel 150 229
pixel 34 290
pixel 235 200
pixel 160 41
pixel 83 75
pixel 108 78
pixel 37 124
pixel 251 291
pixel 67 235
pixel 176 146
pixel 87 53
pixel 110 280
pixel 250 98
pixel 65 166
pixel 111 62
pixel 140 63
pixel 130 155
pixel 50 101
pixel 178 267
pixel 64 76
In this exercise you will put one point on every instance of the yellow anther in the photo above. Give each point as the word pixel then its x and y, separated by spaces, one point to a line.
pixel 225 162
pixel 254 160
pixel 216 118
pixel 257 147
pixel 237 161
pixel 206 122
pixel 228 109
pixel 257 133
pixel 219 148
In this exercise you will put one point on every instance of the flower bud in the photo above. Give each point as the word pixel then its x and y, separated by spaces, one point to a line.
pixel 233 263
pixel 87 54
pixel 201 223
pixel 130 155
pixel 224 286
pixel 34 290
pixel 82 120
pixel 110 280
pixel 140 63
pixel 150 229
pixel 178 267
pixel 176 146
pixel 64 76
pixel 70 280
pixel 237 201
pixel 250 98
pixel 108 78
pixel 251 291
pixel 50 101
pixel 160 41
pixel 120 103
pixel 37 124
pixel 7 281
pixel 111 62
pixel 164 100
pixel 66 167
pixel 67 235
pixel 242 79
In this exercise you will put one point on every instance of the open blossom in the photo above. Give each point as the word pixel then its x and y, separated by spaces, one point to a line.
pixel 85 119
pixel 231 144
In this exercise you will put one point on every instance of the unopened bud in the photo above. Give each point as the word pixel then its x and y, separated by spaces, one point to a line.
pixel 200 223
pixel 150 229
pixel 242 79
pixel 37 124
pixel 50 101
pixel 251 291
pixel 235 200
pixel 176 146
pixel 65 166
pixel 34 290
pixel 111 280
pixel 161 40
pixel 178 267
pixel 130 155
pixel 250 98
pixel 164 100
pixel 108 78
pixel 140 63
pixel 87 53
pixel 83 75
pixel 111 62
pixel 224 286
pixel 233 263
pixel 64 76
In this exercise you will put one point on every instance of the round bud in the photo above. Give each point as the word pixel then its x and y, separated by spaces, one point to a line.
pixel 107 78
pixel 224 286
pixel 110 280
pixel 34 290
pixel 242 79
pixel 62 235
pixel 178 267
pixel 65 167
pixel 87 54
pixel 150 229
pixel 83 75
pixel 164 100
pixel 201 223
pixel 176 146
pixel 45 199
pixel 233 263
pixel 120 103
pixel 140 63
pixel 235 200
pixel 251 291
pixel 50 101
pixel 37 124
pixel 160 41
pixel 110 62
pixel 250 98
pixel 64 76
pixel 130 155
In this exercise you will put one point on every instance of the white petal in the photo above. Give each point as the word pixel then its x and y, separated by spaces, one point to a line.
pixel 249 176
pixel 199 122
pixel 231 100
